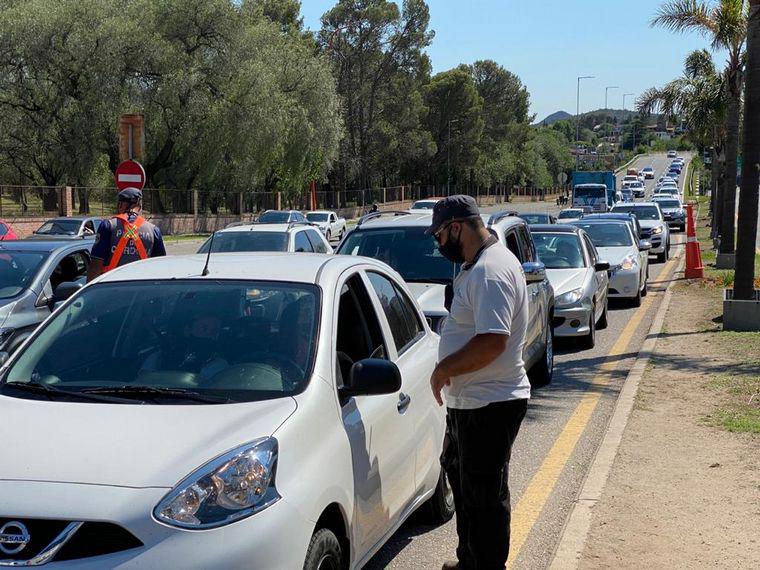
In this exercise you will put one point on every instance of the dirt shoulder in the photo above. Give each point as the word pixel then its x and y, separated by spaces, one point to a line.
pixel 684 491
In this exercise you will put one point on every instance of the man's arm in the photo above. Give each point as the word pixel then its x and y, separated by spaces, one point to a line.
pixel 478 353
pixel 159 249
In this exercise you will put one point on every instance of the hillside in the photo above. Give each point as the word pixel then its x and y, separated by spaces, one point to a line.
pixel 554 117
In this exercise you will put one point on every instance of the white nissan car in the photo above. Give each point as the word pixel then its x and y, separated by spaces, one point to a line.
pixel 273 411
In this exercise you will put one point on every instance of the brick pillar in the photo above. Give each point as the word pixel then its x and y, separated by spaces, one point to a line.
pixel 65 202
pixel 402 193
pixel 195 212
pixel 278 201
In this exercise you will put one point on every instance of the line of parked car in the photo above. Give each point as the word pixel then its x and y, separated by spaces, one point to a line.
pixel 254 408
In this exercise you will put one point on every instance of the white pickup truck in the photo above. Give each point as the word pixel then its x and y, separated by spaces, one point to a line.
pixel 328 223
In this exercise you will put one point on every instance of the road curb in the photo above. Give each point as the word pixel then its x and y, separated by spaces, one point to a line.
pixel 574 536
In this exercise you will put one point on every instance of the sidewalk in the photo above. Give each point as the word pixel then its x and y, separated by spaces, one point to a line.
pixel 684 491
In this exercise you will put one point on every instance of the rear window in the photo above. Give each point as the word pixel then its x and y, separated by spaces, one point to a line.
pixel 230 242
pixel 274 217
pixel 641 212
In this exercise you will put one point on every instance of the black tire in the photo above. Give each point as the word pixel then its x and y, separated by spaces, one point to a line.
pixel 682 228
pixel 589 341
pixel 662 257
pixel 603 320
pixel 645 288
pixel 542 372
pixel 439 509
pixel 324 552
pixel 636 302
pixel 328 235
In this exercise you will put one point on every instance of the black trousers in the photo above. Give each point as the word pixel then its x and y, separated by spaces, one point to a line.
pixel 476 458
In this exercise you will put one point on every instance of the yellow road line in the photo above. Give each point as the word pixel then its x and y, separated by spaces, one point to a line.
pixel 533 500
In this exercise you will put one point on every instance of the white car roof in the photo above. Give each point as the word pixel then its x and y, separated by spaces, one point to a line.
pixel 252 227
pixel 300 268
pixel 319 212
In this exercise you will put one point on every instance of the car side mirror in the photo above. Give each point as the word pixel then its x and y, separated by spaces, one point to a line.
pixel 4 356
pixel 372 377
pixel 602 266
pixel 645 245
pixel 66 290
pixel 535 272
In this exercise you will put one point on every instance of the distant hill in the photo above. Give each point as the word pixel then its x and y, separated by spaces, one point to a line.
pixel 554 117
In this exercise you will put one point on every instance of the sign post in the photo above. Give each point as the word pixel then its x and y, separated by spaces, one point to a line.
pixel 130 174
pixel 131 137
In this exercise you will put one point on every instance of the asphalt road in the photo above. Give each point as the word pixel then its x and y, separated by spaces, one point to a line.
pixel 554 450
pixel 559 437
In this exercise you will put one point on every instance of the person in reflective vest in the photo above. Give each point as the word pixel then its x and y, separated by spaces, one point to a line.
pixel 125 238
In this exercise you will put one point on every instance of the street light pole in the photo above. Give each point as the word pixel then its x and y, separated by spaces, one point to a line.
pixel 578 116
pixel 448 159
pixel 606 91
pixel 624 96
pixel 634 125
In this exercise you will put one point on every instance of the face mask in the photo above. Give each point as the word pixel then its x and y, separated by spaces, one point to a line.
pixel 452 250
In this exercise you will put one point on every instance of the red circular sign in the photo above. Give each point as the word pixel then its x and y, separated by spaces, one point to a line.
pixel 130 174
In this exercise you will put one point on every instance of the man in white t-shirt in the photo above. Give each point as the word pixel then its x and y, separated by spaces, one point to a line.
pixel 483 379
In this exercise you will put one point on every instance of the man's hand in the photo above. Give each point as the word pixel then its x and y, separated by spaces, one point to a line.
pixel 438 380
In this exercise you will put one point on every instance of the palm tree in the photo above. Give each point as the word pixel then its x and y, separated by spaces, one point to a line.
pixel 724 22
pixel 747 232
pixel 697 98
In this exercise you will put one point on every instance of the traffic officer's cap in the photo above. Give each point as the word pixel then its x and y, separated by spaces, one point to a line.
pixel 130 195
pixel 459 207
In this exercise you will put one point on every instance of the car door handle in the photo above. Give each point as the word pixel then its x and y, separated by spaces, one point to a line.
pixel 403 402
pixel 535 293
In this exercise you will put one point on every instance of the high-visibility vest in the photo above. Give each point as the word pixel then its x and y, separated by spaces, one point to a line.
pixel 128 242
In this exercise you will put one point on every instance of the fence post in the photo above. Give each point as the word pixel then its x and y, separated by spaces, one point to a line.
pixel 195 210
pixel 240 204
pixel 278 200
pixel 65 206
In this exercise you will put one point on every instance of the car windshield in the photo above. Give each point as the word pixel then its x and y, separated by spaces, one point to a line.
pixel 230 242
pixel 59 227
pixel 3 229
pixel 408 250
pixel 317 217
pixel 612 234
pixel 669 203
pixel 535 218
pixel 274 217
pixel 648 169
pixel 641 212
pixel 17 269
pixel 589 191
pixel 564 214
pixel 423 205
pixel 238 341
pixel 559 251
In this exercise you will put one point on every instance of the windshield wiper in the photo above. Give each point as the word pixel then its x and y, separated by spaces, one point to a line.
pixel 52 393
pixel 152 391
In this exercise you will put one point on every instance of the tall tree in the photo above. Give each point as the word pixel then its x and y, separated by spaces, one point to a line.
pixel 748 198
pixel 372 43
pixel 725 24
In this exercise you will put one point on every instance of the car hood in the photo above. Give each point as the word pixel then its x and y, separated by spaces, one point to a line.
pixel 649 224
pixel 564 280
pixel 616 255
pixel 431 297
pixel 126 445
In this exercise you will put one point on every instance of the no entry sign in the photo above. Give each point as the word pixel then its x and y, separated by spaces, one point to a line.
pixel 130 174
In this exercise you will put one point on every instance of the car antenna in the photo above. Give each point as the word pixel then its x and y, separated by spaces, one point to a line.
pixel 208 256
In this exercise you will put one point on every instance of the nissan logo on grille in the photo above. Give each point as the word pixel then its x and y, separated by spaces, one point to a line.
pixel 13 537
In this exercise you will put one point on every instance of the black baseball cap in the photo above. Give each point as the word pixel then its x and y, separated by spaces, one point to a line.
pixel 458 207
pixel 130 195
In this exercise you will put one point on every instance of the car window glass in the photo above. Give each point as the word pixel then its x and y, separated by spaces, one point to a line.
pixel 3 229
pixel 591 250
pixel 401 318
pixel 302 243
pixel 317 242
pixel 526 245
pixel 513 245
pixel 359 334
pixel 244 241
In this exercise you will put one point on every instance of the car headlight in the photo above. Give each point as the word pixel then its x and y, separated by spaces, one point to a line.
pixel 657 230
pixel 5 335
pixel 226 489
pixel 629 262
pixel 570 297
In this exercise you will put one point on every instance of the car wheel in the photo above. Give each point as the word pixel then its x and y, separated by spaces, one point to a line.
pixel 440 507
pixel 682 228
pixel 324 552
pixel 637 299
pixel 645 288
pixel 603 320
pixel 328 236
pixel 542 371
pixel 589 341
pixel 662 257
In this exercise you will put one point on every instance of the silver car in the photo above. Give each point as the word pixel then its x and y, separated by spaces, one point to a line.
pixel 34 275
pixel 654 228
pixel 627 255
pixel 672 210
pixel 579 279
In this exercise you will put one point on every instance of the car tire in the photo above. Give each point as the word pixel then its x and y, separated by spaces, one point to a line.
pixel 603 320
pixel 328 235
pixel 637 299
pixel 662 257
pixel 542 372
pixel 589 341
pixel 439 509
pixel 645 289
pixel 682 228
pixel 324 552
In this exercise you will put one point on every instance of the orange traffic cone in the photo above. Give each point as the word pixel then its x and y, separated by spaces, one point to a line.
pixel 694 269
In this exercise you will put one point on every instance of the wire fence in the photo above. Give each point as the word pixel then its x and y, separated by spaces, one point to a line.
pixel 29 201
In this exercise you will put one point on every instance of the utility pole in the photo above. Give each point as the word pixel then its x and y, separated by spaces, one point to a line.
pixel 578 116
pixel 448 159
pixel 606 91
pixel 626 95
pixel 634 125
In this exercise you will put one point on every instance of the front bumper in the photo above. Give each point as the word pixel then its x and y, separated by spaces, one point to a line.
pixel 276 537
pixel 675 221
pixel 624 283
pixel 572 321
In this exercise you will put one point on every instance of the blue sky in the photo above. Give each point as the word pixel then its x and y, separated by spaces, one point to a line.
pixel 548 43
